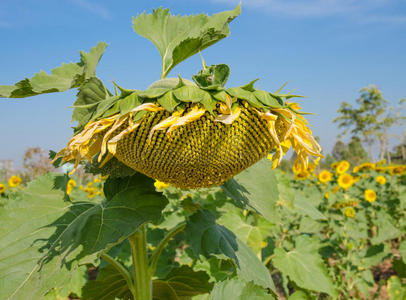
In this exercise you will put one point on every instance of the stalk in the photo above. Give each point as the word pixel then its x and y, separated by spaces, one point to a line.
pixel 142 275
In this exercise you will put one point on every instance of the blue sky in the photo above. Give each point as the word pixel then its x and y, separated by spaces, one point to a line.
pixel 326 49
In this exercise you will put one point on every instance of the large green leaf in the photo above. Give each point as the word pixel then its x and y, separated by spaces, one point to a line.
pixel 402 250
pixel 109 285
pixel 396 290
pixel 208 238
pixel 237 289
pixel 63 78
pixel 255 187
pixel 93 227
pixel 180 284
pixel 303 206
pixel 183 282
pixel 178 38
pixel 304 266
pixel 23 233
pixel 386 229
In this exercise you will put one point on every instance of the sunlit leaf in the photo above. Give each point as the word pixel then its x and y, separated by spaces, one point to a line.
pixel 179 37
pixel 63 78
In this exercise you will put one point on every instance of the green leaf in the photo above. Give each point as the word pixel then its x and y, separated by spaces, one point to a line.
pixel 375 255
pixel 299 295
pixel 251 268
pixel 139 182
pixel 171 83
pixel 386 229
pixel 305 207
pixel 178 38
pixel 266 99
pixel 248 96
pixel 63 78
pixel 184 282
pixel 153 93
pixel 23 234
pixel 109 285
pixel 213 77
pixel 396 290
pixel 90 95
pixel 402 250
pixel 190 93
pixel 92 227
pixel 208 238
pixel 248 234
pixel 220 96
pixel 255 187
pixel 238 289
pixel 168 101
pixel 128 103
pixel 250 86
pixel 304 266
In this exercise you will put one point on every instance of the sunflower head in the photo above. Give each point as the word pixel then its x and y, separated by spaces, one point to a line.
pixel 349 212
pixel 345 181
pixel 14 181
pixel 325 176
pixel 370 195
pixel 342 167
pixel 2 188
pixel 381 179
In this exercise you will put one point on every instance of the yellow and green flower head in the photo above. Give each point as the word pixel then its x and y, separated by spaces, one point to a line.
pixel 188 134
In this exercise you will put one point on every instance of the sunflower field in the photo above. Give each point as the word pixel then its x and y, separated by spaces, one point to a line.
pixel 182 197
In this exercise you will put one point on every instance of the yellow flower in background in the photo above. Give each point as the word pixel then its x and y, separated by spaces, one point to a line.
pixel 397 170
pixel 335 189
pixel 345 181
pixel 342 167
pixel 2 188
pixel 97 180
pixel 296 168
pixel 89 184
pixel 72 183
pixel 91 192
pixel 70 186
pixel 160 185
pixel 14 181
pixel 325 176
pixel 333 166
pixel 302 175
pixel 104 177
pixel 364 167
pixel 381 179
pixel 381 162
pixel 349 212
pixel 326 195
pixel 370 195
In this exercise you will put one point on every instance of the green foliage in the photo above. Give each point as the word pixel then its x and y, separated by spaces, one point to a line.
pixel 178 38
pixel 63 78
pixel 239 290
pixel 304 266
pixel 24 232
pixel 256 188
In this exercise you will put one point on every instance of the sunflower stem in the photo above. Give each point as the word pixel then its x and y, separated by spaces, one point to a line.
pixel 158 251
pixel 142 274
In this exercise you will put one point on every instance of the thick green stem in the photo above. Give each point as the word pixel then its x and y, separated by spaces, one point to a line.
pixel 142 275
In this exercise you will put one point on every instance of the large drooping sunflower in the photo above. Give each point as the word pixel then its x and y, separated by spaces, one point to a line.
pixel 189 134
